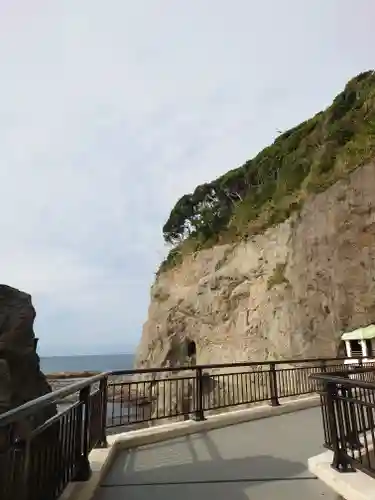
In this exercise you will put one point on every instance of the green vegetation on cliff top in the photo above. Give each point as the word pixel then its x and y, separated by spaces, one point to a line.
pixel 267 189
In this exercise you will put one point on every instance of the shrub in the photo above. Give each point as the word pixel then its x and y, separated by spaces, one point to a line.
pixel 310 156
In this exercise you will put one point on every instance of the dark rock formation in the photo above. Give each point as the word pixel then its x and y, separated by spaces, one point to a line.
pixel 20 377
pixel 20 381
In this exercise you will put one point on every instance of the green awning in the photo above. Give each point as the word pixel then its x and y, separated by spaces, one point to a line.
pixel 366 333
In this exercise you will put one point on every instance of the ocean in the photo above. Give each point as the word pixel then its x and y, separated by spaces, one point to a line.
pixel 101 363
pixel 98 362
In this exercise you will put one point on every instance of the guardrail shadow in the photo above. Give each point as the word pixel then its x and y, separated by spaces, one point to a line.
pixel 195 461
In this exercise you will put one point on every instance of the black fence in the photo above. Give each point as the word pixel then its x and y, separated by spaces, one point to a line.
pixel 142 397
pixel 38 461
pixel 348 416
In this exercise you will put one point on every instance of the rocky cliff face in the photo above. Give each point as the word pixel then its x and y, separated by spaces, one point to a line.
pixel 284 294
pixel 20 377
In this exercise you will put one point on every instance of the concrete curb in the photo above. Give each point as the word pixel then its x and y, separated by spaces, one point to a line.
pixel 349 485
pixel 177 429
pixel 101 460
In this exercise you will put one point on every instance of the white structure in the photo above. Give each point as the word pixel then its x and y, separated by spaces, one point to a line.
pixel 360 343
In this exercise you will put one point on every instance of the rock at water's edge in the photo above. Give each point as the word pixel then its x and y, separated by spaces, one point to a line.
pixel 21 379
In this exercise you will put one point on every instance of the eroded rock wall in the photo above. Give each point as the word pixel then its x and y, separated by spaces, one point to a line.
pixel 284 294
pixel 20 376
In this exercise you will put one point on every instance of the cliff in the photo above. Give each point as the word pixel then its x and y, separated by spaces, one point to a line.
pixel 285 283
pixel 21 379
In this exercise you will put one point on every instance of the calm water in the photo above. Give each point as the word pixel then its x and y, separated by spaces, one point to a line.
pixel 90 363
pixel 101 363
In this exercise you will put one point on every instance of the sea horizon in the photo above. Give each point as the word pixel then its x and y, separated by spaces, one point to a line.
pixel 86 362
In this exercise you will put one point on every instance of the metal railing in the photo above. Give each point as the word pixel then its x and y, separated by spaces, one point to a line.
pixel 348 416
pixel 37 463
pixel 136 397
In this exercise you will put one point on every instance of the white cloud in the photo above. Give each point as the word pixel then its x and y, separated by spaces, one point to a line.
pixel 110 112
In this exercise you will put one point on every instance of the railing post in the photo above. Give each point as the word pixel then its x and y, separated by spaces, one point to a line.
pixel 103 387
pixel 274 397
pixel 22 487
pixel 82 436
pixel 5 445
pixel 323 365
pixel 199 413
pixel 339 461
pixel 350 419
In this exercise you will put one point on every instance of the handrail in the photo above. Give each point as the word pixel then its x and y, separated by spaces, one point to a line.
pixel 116 399
pixel 48 399
pixel 348 410
pixel 54 397
pixel 340 379
pixel 229 365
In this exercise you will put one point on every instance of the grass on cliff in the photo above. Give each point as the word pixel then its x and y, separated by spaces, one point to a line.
pixel 267 189
pixel 277 277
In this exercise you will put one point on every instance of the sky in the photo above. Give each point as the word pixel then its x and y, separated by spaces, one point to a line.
pixel 110 111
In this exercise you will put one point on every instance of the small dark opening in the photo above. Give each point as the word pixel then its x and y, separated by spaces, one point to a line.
pixel 356 348
pixel 369 348
pixel 191 349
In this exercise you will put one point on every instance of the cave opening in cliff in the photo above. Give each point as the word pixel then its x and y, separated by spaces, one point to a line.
pixel 192 351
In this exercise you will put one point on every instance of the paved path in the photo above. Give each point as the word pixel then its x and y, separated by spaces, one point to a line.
pixel 260 460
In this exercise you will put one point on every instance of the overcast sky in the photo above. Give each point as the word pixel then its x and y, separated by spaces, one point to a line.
pixel 111 110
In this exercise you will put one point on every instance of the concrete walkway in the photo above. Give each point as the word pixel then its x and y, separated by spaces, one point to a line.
pixel 260 460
